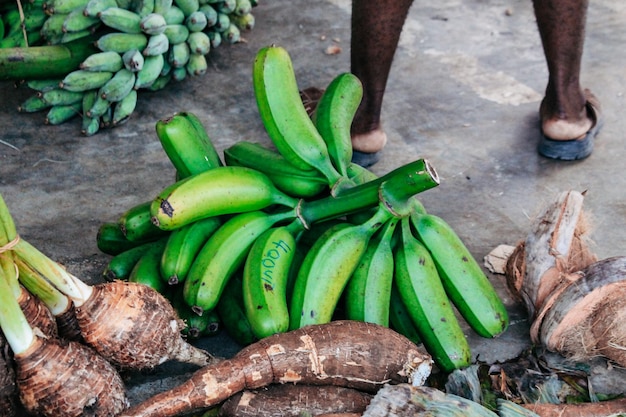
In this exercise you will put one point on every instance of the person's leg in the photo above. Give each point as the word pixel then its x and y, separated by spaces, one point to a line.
pixel 564 112
pixel 376 29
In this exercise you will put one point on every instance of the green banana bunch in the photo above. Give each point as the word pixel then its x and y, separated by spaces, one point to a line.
pixel 333 118
pixel 284 116
pixel 221 190
pixel 187 145
pixel 183 246
pixel 266 275
pixel 327 268
pixel 368 292
pixel 288 178
pixel 426 301
pixel 223 253
pixel 121 264
pixel 463 279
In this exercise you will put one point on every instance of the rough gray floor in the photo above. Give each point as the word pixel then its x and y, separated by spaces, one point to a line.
pixel 464 92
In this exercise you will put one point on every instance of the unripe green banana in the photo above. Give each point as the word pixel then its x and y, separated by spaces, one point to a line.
pixel 244 22
pixel 72 36
pixel 216 38
pixel 179 54
pixel 288 178
pixel 183 246
pixel 210 13
pixel 43 85
pixel 196 21
pixel 143 7
pixel 76 21
pixel 174 16
pixel 124 108
pixel 176 33
pixel 121 19
pixel 369 289
pixel 83 80
pixel 265 279
pixel 147 269
pixel 221 190
pixel 111 240
pixel 232 34
pixel 284 116
pixel 222 23
pixel 64 6
pixel 160 82
pixel 119 86
pixel 333 117
pixel 242 8
pixel 90 125
pixel 62 113
pixel 187 6
pixel 161 7
pixel 187 145
pixel 465 282
pixel 122 42
pixel 226 6
pixel 199 43
pixel 103 61
pixel 33 104
pixel 121 265
pixel 223 254
pixel 133 60
pixel 136 226
pixel 197 64
pixel 106 119
pixel 53 26
pixel 327 268
pixel 423 294
pixel 179 73
pixel 61 97
pixel 127 4
pixel 232 313
pixel 153 24
pixel 399 318
pixel 152 69
pixel 94 7
pixel 195 326
pixel 100 107
pixel 157 45
pixel 34 17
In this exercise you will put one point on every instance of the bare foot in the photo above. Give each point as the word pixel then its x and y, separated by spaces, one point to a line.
pixel 370 142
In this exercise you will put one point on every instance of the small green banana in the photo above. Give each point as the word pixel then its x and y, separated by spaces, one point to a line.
pixel 161 7
pixel 223 22
pixel 53 27
pixel 226 6
pixel 94 7
pixel 76 21
pixel 153 23
pixel 133 60
pixel 121 265
pixel 64 6
pixel 99 108
pixel 33 104
pixel 160 82
pixel 333 117
pixel 210 13
pixel 196 21
pixel 43 85
pixel 427 302
pixel 124 108
pixel 327 268
pixel 464 280
pixel 369 289
pixel 187 6
pixel 187 145
pixel 90 125
pixel 244 22
pixel 233 314
pixel 183 246
pixel 265 279
pixel 118 86
pixel 147 271
pixel 179 73
pixel 157 45
pixel 232 34
pixel 179 54
pixel 150 71
pixel 221 190
pixel 62 113
pixel 72 36
pixel 242 8
pixel 121 42
pixel 103 61
pixel 284 116
pixel 123 20
pixel 224 253
pixel 288 178
pixel 111 240
pixel 176 33
pixel 136 226
pixel 174 16
pixel 199 43
pixel 83 80
pixel 143 7
pixel 61 97
pixel 197 64
pixel 216 38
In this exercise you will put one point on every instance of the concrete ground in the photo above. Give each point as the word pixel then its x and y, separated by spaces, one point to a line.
pixel 464 92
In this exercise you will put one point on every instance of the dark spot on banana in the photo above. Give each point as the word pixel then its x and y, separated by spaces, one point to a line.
pixel 167 208
pixel 268 287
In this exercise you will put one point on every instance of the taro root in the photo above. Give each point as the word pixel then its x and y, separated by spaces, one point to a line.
pixel 8 389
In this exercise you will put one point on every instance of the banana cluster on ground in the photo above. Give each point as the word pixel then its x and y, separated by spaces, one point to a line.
pixel 269 240
pixel 139 44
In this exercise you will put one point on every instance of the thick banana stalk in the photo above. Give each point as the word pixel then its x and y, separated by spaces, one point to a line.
pixel 221 190
pixel 265 279
pixel 368 292
pixel 287 177
pixel 327 267
pixel 463 279
pixel 333 118
pixel 427 302
pixel 284 116
pixel 224 253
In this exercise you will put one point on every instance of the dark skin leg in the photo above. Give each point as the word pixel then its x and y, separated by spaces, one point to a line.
pixel 561 26
pixel 375 35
